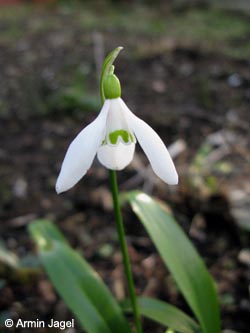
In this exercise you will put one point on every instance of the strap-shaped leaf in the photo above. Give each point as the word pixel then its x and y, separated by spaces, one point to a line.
pixel 165 314
pixel 77 283
pixel 181 258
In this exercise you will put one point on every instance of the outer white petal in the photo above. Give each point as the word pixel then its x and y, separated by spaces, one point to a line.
pixel 82 151
pixel 116 157
pixel 153 147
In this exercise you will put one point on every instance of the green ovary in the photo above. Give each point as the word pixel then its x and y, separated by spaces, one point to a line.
pixel 125 135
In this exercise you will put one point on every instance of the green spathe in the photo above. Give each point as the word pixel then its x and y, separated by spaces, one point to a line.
pixel 111 87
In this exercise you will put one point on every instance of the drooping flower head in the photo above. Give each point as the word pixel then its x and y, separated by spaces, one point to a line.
pixel 112 137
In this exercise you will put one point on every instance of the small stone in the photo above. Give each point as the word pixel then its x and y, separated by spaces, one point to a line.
pixel 244 257
pixel 20 188
pixel 235 80
pixel 159 86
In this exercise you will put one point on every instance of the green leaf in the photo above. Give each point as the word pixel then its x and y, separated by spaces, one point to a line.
pixel 181 258
pixel 108 68
pixel 77 283
pixel 165 314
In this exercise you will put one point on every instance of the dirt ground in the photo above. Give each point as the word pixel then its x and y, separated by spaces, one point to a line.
pixel 194 91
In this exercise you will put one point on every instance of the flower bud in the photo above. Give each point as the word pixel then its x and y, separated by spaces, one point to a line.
pixel 111 87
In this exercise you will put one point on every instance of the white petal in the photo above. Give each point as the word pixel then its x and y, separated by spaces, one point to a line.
pixel 82 151
pixel 153 147
pixel 117 122
pixel 115 119
pixel 116 157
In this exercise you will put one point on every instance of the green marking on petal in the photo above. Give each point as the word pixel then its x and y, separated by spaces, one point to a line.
pixel 125 135
pixel 104 142
pixel 132 138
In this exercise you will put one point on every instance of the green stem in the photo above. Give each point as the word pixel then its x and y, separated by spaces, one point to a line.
pixel 122 239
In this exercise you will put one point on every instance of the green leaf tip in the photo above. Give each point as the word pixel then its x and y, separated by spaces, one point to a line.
pixel 41 231
pixel 37 235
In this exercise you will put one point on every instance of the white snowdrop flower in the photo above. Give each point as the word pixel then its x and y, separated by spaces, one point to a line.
pixel 112 137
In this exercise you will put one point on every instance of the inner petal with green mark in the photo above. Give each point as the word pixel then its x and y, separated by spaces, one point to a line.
pixel 126 136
